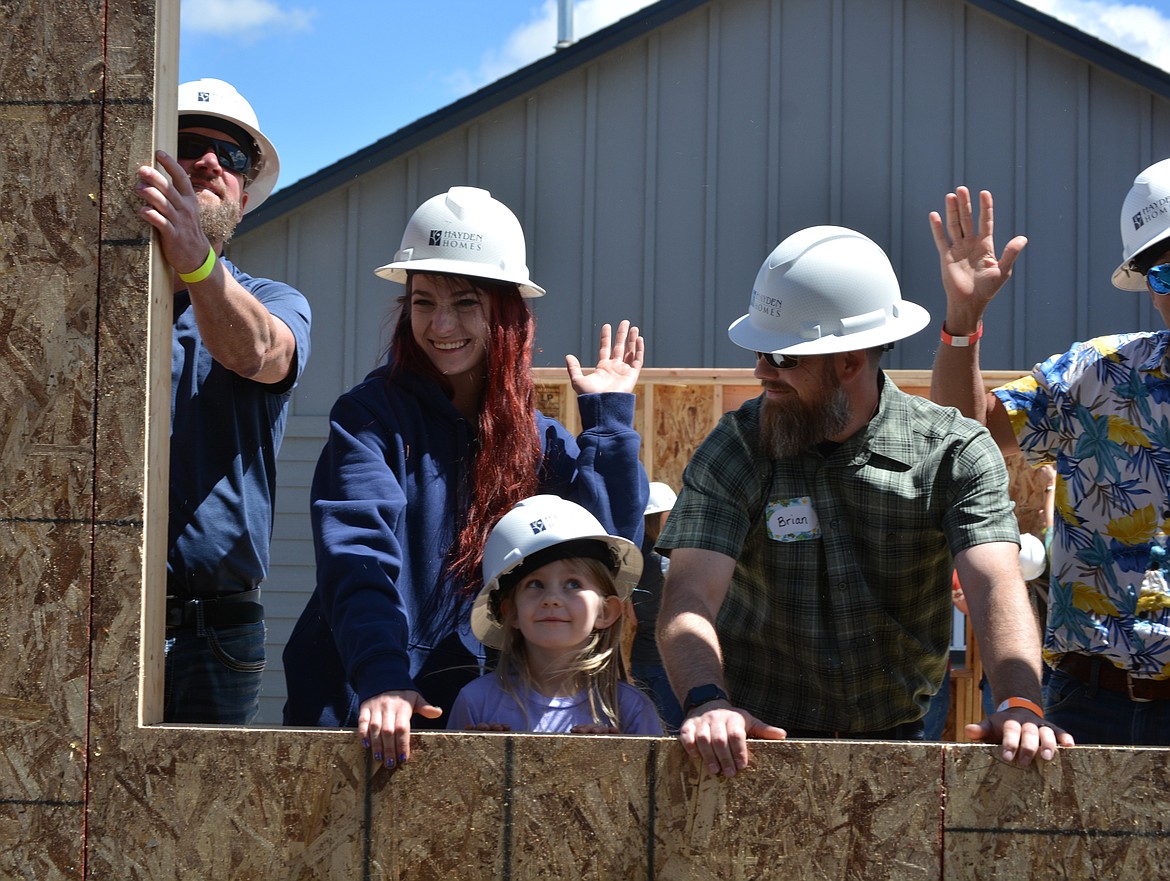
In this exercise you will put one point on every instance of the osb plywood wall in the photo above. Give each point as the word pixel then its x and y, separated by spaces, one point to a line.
pixel 86 791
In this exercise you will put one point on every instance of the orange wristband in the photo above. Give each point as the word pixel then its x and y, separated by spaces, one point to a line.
pixel 1023 703
pixel 961 342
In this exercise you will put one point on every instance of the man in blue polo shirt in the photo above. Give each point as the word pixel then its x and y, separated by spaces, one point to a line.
pixel 239 345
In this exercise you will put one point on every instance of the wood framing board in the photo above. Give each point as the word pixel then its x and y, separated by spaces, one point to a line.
pixel 804 810
pixel 241 804
pixel 683 417
pixel 186 803
pixel 182 802
pixel 50 136
pixel 1094 813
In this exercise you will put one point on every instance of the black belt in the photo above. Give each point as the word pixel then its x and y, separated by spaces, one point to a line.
pixel 226 610
pixel 1100 672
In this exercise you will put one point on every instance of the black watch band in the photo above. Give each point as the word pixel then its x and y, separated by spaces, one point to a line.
pixel 703 694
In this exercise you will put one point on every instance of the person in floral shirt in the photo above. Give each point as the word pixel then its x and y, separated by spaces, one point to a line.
pixel 1100 413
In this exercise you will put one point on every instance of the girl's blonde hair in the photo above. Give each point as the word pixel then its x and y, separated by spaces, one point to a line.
pixel 599 662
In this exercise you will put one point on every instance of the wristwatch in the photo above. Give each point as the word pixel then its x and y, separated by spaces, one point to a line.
pixel 703 694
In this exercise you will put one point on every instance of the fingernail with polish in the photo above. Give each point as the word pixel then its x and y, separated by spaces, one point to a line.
pixel 365 743
pixel 377 757
pixel 402 759
pixel 389 763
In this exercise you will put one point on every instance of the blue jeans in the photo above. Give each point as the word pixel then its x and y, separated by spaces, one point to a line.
pixel 213 674
pixel 1102 716
pixel 651 678
pixel 935 720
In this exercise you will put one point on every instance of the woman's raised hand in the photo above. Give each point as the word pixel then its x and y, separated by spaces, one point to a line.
pixel 619 362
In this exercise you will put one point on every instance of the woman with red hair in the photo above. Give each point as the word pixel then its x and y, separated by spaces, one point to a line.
pixel 424 456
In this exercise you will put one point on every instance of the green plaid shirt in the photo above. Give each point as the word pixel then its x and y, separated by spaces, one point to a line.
pixel 838 616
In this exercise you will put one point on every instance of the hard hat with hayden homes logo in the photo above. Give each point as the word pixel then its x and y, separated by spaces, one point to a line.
pixel 1145 220
pixel 826 289
pixel 538 531
pixel 227 111
pixel 464 232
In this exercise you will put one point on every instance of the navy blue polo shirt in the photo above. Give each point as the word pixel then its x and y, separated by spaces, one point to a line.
pixel 225 433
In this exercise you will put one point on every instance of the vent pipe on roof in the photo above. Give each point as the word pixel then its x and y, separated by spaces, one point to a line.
pixel 564 24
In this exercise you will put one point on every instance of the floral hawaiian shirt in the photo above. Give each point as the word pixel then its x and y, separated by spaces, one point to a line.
pixel 1101 413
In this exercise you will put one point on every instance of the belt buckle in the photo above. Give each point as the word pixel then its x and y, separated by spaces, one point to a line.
pixel 1129 688
pixel 174 612
pixel 178 613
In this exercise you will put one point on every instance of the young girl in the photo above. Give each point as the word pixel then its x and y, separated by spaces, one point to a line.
pixel 554 587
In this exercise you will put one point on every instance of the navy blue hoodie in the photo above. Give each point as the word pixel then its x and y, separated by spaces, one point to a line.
pixel 390 488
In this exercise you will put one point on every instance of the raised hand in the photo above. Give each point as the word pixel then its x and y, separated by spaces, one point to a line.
pixel 971 273
pixel 618 364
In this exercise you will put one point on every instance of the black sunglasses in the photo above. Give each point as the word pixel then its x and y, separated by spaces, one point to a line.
pixel 1159 278
pixel 783 362
pixel 231 156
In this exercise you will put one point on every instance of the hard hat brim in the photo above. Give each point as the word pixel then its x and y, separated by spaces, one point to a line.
pixel 397 272
pixel 662 498
pixel 1128 279
pixel 491 633
pixel 911 319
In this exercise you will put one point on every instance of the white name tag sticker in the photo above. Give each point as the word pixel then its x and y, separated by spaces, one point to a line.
pixel 793 520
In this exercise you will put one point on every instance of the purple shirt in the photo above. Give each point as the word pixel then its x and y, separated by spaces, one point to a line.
pixel 484 700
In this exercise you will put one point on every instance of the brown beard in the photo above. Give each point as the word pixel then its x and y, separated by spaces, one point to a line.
pixel 789 427
pixel 219 221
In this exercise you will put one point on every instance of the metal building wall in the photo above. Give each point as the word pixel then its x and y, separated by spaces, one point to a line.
pixel 653 179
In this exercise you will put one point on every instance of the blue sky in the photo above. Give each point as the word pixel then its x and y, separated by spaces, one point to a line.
pixel 328 78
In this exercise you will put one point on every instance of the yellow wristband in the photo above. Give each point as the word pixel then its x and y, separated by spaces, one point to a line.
pixel 203 271
pixel 1023 703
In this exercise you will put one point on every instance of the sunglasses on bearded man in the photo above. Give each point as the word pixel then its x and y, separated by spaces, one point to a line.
pixel 231 156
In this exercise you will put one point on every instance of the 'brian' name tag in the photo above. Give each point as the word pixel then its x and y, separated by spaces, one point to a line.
pixel 793 520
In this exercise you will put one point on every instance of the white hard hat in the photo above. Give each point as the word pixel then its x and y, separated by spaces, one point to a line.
pixel 538 531
pixel 212 97
pixel 826 289
pixel 1145 219
pixel 1033 557
pixel 662 498
pixel 464 232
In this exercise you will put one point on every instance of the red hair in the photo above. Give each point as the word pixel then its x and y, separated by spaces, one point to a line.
pixel 509 452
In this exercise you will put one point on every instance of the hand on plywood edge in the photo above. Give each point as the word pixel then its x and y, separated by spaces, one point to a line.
pixel 719 737
pixel 1022 734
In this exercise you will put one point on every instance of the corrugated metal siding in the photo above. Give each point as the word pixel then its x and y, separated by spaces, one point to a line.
pixel 652 181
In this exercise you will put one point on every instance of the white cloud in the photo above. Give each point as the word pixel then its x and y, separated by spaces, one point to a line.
pixel 1136 28
pixel 538 37
pixel 244 21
